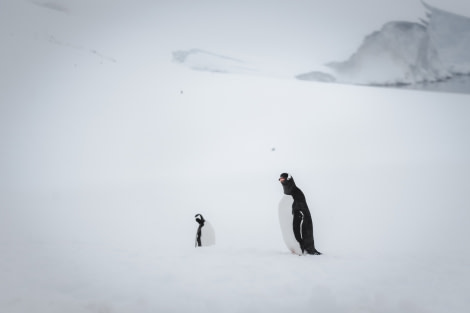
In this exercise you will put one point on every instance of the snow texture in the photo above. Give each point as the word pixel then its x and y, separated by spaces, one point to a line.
pixel 105 161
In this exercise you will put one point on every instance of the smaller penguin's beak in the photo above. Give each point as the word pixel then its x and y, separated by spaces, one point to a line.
pixel 282 179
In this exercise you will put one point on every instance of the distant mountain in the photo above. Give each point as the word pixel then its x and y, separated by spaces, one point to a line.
pixel 406 53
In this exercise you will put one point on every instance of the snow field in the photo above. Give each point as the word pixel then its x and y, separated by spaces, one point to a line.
pixel 104 165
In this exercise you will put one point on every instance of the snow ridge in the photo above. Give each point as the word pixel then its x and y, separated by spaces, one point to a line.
pixel 201 60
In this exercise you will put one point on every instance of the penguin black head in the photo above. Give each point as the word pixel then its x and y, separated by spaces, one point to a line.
pixel 284 177
pixel 199 219
pixel 288 183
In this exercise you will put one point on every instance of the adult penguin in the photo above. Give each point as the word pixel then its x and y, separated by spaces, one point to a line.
pixel 205 235
pixel 302 220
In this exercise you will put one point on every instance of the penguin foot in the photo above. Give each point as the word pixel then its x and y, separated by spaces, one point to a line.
pixel 314 252
pixel 302 247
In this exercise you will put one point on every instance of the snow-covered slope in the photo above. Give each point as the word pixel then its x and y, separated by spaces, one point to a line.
pixel 400 53
pixel 107 157
pixel 409 53
pixel 450 34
